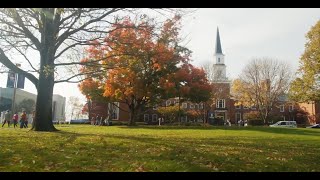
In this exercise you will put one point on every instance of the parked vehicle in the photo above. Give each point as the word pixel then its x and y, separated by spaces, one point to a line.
pixel 314 126
pixel 288 124
pixel 79 121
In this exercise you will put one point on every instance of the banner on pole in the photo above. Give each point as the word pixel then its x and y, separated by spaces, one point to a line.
pixel 21 79
pixel 11 79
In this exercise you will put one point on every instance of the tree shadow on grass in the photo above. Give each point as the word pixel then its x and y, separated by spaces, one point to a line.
pixel 293 131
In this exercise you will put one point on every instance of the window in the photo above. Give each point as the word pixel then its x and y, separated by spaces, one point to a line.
pixel 184 118
pixel 191 106
pixel 154 117
pixel 292 119
pixel 174 102
pixel 238 107
pixel 115 112
pixel 168 103
pixel 154 107
pixel 196 106
pixel 184 105
pixel 218 60
pixel 281 108
pixel 220 103
pixel 146 117
pixel 245 107
pixel 238 117
pixel 290 108
pixel 283 123
pixel 201 106
pixel 253 107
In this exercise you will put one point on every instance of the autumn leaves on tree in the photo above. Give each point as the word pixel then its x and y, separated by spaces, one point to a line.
pixel 306 87
pixel 142 64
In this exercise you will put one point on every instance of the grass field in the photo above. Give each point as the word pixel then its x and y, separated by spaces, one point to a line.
pixel 152 148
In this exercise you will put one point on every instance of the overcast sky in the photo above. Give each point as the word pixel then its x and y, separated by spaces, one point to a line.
pixel 244 33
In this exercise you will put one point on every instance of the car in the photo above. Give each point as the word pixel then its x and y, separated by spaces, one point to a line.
pixel 314 126
pixel 289 124
pixel 79 121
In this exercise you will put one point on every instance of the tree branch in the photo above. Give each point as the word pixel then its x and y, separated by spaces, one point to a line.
pixel 8 63
pixel 26 31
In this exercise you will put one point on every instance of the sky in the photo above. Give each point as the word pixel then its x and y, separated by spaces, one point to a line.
pixel 244 34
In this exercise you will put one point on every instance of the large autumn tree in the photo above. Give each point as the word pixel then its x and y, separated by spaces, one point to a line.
pixel 306 87
pixel 48 39
pixel 261 84
pixel 189 83
pixel 142 59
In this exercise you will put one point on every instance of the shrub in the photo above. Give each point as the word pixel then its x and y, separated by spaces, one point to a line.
pixel 216 121
pixel 253 115
pixel 255 122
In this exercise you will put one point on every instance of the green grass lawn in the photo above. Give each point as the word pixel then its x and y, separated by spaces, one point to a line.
pixel 153 148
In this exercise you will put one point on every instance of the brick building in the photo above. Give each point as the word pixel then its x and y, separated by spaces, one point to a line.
pixel 223 107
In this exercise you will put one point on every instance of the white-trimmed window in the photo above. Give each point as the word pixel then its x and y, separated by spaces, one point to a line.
pixel 221 103
pixel 201 106
pixel 191 106
pixel 146 117
pixel 282 108
pixel 290 108
pixel 168 103
pixel 184 105
pixel 196 106
pixel 184 118
pixel 154 117
pixel 115 112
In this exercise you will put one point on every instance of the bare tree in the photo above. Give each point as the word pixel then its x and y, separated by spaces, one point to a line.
pixel 75 105
pixel 49 39
pixel 261 84
pixel 208 68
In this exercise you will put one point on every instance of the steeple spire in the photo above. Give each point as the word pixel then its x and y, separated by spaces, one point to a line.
pixel 218 43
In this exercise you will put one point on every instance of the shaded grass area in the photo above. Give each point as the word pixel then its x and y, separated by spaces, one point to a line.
pixel 164 148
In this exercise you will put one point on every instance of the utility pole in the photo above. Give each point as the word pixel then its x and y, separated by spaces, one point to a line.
pixel 14 93
pixel 15 84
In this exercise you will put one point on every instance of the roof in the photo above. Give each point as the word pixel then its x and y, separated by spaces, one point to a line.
pixel 218 43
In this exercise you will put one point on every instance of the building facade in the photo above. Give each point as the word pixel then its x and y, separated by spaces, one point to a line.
pixel 8 94
pixel 223 106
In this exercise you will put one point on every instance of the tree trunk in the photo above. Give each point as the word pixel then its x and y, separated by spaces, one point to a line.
pixel 43 118
pixel 89 109
pixel 179 116
pixel 132 117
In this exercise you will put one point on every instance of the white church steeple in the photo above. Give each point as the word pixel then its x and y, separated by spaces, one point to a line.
pixel 219 68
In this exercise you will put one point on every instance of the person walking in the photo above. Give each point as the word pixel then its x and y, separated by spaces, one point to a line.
pixel 6 118
pixel 15 120
pixel 93 120
pixel 23 119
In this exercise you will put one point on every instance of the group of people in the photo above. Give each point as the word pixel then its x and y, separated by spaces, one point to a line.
pixel 23 119
pixel 243 123
pixel 98 120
